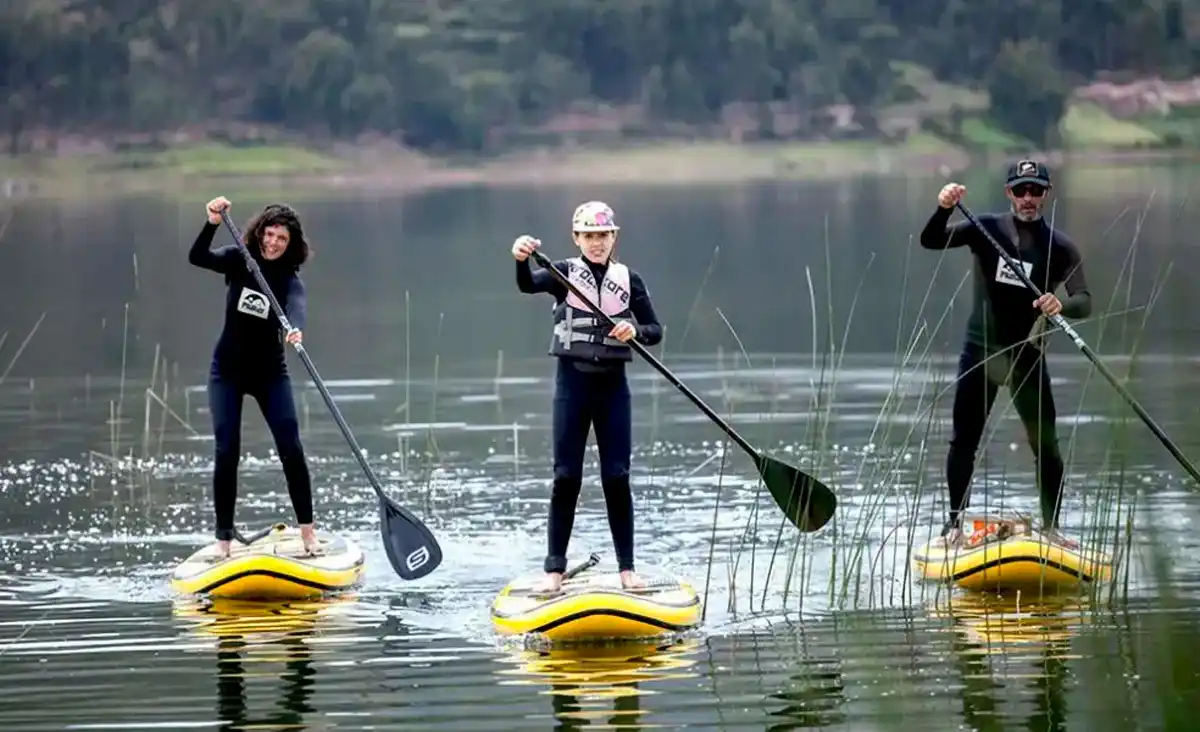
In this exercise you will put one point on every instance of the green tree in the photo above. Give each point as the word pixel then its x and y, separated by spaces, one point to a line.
pixel 1028 94
pixel 466 74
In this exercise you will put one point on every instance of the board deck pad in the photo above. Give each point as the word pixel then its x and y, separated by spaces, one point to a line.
pixel 282 542
pixel 593 605
pixel 980 531
pixel 529 585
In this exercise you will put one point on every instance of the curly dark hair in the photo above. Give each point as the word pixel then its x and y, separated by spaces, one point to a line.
pixel 279 214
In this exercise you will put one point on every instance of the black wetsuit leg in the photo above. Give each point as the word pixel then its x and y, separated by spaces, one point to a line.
pixel 974 396
pixel 613 418
pixel 1024 369
pixel 1034 403
pixel 225 406
pixel 572 421
pixel 274 397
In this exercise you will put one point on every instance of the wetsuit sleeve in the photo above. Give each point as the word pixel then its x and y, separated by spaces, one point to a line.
pixel 296 306
pixel 531 282
pixel 1078 303
pixel 649 330
pixel 938 234
pixel 219 260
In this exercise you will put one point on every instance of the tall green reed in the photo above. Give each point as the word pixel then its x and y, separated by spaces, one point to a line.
pixel 888 507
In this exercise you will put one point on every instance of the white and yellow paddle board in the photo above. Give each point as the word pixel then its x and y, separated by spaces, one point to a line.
pixel 272 567
pixel 999 554
pixel 593 606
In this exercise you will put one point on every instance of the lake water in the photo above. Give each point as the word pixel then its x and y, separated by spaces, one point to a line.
pixel 438 365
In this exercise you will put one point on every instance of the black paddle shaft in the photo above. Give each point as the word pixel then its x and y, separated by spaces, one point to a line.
pixel 420 551
pixel 1062 323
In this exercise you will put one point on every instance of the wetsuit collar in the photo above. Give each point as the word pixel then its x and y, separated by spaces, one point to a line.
pixel 597 269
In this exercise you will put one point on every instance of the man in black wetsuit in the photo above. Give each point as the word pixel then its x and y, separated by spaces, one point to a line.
pixel 1000 345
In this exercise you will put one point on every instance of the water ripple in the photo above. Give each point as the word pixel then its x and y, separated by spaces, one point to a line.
pixel 827 630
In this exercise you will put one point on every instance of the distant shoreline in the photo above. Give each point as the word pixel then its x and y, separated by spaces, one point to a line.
pixel 201 167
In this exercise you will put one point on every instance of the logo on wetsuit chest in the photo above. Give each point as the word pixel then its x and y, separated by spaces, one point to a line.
pixel 1005 274
pixel 253 303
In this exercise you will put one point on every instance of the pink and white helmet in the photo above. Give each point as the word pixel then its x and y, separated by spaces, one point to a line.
pixel 594 216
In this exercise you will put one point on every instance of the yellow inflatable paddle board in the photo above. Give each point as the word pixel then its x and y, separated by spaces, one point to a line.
pixel 999 554
pixel 272 565
pixel 592 606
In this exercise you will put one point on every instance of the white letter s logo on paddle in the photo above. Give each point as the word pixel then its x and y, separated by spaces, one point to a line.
pixel 417 558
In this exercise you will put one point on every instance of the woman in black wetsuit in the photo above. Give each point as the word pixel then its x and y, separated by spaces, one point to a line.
pixel 590 385
pixel 248 358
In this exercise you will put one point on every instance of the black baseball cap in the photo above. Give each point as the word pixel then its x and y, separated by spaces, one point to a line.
pixel 1028 171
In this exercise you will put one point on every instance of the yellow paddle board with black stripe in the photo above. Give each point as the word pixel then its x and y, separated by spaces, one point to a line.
pixel 593 606
pixel 274 566
pixel 999 554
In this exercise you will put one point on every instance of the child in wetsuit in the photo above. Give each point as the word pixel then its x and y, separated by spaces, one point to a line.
pixel 590 384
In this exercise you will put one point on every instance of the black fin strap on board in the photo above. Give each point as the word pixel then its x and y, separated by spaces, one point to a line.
pixel 256 535
pixel 582 567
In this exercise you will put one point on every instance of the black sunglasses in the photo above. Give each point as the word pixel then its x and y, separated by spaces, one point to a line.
pixel 1033 189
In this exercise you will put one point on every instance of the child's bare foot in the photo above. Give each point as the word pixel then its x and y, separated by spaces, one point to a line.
pixel 551 584
pixel 308 535
pixel 630 580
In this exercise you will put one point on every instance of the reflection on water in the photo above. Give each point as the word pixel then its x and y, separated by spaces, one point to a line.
pixel 1007 653
pixel 295 678
pixel 998 625
pixel 600 683
pixel 257 642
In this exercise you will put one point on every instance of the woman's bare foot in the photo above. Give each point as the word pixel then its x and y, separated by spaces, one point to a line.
pixel 308 535
pixel 223 549
pixel 551 584
pixel 630 580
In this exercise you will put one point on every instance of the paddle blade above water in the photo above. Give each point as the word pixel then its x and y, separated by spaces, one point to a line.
pixel 807 502
pixel 410 547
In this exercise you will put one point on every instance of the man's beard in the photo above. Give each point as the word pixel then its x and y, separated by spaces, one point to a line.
pixel 1027 214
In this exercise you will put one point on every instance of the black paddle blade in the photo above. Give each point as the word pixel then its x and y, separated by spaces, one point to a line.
pixel 807 502
pixel 409 545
